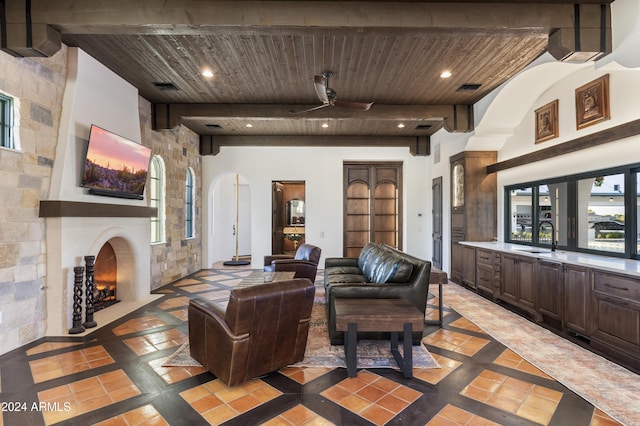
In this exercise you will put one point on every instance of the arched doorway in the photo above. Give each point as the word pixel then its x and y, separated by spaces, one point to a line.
pixel 225 224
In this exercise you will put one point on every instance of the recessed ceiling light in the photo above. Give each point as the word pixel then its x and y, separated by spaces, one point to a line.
pixel 400 125
pixel 248 125
pixel 325 125
pixel 207 73
pixel 445 74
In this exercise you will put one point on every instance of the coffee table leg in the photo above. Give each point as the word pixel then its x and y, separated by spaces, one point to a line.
pixel 350 348
pixel 407 369
pixel 405 361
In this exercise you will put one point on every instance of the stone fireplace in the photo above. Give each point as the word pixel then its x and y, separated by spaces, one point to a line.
pixel 78 229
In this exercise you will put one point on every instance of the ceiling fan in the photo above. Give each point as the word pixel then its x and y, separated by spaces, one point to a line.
pixel 328 96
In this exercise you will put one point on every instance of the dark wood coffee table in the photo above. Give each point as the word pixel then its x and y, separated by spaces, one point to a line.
pixel 261 277
pixel 378 315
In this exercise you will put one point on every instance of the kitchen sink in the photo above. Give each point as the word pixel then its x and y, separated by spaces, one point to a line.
pixel 533 250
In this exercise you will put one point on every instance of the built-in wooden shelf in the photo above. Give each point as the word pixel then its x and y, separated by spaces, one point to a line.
pixel 56 208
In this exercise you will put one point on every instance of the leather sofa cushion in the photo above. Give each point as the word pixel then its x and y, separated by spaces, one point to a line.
pixel 345 279
pixel 387 267
pixel 368 253
pixel 335 270
pixel 402 272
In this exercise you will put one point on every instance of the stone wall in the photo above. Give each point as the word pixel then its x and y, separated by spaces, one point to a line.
pixel 179 149
pixel 37 86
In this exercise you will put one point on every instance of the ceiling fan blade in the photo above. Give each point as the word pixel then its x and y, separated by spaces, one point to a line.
pixel 353 105
pixel 310 109
pixel 321 89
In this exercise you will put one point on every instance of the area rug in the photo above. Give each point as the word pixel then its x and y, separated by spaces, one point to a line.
pixel 181 358
pixel 320 353
pixel 370 353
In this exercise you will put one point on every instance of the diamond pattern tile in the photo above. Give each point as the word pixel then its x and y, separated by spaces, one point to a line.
pixel 217 402
pixel 117 376
pixel 372 397
pixel 69 363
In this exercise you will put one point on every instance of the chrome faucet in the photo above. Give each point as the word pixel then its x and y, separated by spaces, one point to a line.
pixel 554 243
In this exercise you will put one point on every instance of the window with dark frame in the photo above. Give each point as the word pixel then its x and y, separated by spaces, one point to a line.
pixel 594 212
pixel 189 205
pixel 6 121
pixel 156 198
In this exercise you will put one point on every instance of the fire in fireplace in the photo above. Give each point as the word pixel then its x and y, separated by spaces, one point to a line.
pixel 105 278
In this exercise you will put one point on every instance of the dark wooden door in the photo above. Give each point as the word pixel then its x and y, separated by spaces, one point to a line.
pixel 526 283
pixel 436 222
pixel 277 218
pixel 509 284
pixel 549 289
pixel 372 205
pixel 577 300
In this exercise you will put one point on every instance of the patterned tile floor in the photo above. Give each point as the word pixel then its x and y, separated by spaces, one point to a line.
pixel 115 376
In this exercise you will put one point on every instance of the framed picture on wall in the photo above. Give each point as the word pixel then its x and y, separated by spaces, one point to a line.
pixel 547 122
pixel 592 102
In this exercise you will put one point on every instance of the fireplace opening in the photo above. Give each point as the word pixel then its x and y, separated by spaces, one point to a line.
pixel 105 278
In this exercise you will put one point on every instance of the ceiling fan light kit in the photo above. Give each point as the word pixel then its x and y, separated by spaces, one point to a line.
pixel 329 97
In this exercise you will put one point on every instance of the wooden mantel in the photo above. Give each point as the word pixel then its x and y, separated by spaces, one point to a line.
pixel 57 208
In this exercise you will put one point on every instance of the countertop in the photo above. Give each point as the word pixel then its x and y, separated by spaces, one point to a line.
pixel 612 264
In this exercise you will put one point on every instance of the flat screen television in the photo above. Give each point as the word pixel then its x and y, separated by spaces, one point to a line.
pixel 115 166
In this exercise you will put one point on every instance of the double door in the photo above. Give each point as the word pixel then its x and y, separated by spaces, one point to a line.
pixel 372 205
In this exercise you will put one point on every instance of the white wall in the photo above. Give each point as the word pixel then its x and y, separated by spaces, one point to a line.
pixel 93 94
pixel 321 170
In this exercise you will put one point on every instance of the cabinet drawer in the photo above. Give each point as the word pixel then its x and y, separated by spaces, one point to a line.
pixel 484 277
pixel 484 256
pixel 616 285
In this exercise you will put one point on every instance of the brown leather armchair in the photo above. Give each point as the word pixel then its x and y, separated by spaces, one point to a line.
pixel 263 328
pixel 304 263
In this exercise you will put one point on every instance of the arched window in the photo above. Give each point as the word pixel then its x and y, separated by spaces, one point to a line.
pixel 189 205
pixel 6 122
pixel 157 198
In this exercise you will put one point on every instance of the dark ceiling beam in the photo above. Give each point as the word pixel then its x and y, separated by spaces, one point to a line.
pixel 587 40
pixel 418 146
pixel 456 118
pixel 612 134
pixel 177 16
pixel 197 17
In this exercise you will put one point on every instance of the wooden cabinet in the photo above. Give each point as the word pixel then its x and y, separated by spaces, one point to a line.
pixel 488 272
pixel 600 306
pixel 469 266
pixel 473 204
pixel 517 282
pixel 549 278
pixel 616 315
pixel 576 300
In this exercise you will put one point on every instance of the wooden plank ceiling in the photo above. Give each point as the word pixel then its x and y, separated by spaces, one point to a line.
pixel 264 56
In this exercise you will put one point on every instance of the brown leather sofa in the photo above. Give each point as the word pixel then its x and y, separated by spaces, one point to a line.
pixel 304 263
pixel 380 272
pixel 263 328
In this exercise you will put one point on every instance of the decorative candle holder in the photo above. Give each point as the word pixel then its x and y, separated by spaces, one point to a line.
pixel 77 327
pixel 89 262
